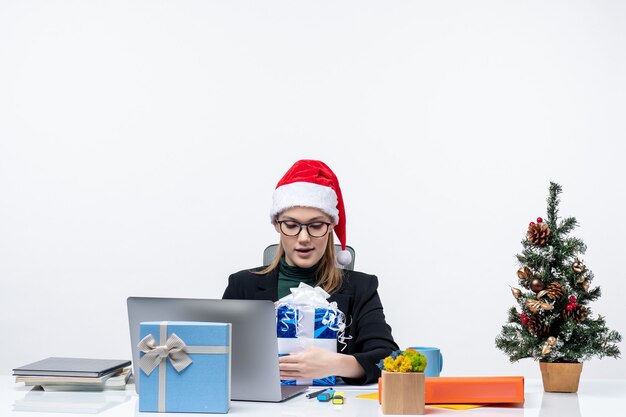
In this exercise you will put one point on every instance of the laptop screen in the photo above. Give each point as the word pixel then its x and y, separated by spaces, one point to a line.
pixel 254 373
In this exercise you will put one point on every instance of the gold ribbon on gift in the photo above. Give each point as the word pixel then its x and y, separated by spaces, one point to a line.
pixel 176 350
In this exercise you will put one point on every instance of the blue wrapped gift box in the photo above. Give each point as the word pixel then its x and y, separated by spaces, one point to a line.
pixel 299 327
pixel 202 350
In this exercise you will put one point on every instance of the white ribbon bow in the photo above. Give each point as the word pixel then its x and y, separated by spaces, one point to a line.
pixel 174 348
pixel 305 295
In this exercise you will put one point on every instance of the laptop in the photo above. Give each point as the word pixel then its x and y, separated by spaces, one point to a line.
pixel 254 361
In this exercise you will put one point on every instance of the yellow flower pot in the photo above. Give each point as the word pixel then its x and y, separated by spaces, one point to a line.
pixel 403 392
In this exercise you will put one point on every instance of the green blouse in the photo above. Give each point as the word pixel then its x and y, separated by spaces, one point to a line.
pixel 291 276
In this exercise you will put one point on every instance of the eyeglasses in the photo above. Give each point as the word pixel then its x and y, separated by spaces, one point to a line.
pixel 314 229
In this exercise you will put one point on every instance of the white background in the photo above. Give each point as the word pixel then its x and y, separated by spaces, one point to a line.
pixel 140 142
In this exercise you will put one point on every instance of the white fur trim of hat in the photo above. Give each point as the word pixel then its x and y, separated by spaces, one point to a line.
pixel 304 194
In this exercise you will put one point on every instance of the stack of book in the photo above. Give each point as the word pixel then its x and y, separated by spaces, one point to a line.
pixel 75 374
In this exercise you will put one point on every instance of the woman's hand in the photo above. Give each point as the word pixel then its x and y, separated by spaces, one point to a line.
pixel 315 363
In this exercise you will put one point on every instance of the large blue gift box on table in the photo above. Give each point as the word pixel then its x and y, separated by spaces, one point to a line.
pixel 185 367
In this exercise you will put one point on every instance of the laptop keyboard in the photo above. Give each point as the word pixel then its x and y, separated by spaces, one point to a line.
pixel 288 391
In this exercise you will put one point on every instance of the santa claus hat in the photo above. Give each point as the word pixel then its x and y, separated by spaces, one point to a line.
pixel 310 183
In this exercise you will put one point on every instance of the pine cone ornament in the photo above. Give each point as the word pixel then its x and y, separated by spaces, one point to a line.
pixel 555 291
pixel 538 233
pixel 536 326
pixel 579 313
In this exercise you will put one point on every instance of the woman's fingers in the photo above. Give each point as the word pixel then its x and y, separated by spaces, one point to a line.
pixel 289 358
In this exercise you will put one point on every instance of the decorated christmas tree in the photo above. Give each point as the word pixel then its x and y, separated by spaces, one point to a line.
pixel 553 321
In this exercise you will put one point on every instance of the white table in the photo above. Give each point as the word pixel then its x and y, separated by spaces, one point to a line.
pixel 602 398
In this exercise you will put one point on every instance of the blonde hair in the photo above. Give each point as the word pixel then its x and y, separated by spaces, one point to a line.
pixel 329 277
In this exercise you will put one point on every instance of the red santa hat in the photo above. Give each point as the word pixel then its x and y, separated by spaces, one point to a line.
pixel 310 183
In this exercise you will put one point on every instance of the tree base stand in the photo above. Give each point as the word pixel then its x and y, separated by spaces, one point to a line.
pixel 560 377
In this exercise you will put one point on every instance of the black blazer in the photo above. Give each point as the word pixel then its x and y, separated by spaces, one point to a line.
pixel 358 299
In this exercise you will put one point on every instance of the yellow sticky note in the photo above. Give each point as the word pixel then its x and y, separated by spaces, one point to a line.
pixel 374 396
pixel 370 396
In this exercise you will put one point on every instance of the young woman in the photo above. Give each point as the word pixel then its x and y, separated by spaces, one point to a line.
pixel 307 207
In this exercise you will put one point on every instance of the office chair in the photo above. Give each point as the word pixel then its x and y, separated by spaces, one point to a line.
pixel 270 252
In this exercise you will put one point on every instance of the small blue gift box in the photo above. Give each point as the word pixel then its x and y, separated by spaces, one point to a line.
pixel 299 327
pixel 185 367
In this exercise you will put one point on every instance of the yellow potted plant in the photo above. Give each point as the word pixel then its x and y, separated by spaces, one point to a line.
pixel 403 383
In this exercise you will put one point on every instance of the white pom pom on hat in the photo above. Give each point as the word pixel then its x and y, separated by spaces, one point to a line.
pixel 344 257
pixel 310 183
